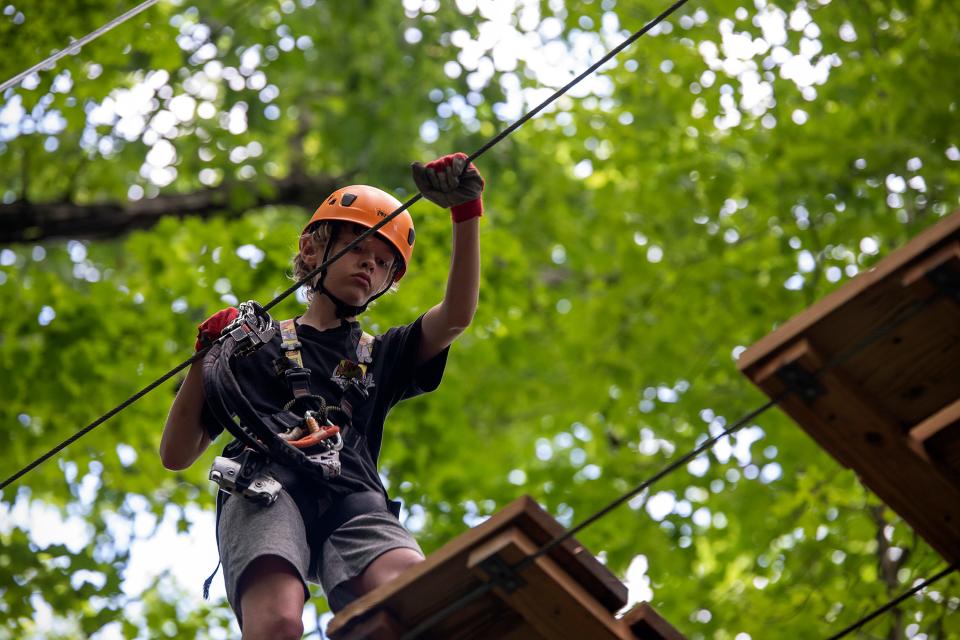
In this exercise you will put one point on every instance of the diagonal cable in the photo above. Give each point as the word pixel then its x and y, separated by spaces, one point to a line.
pixel 895 601
pixel 76 45
pixel 109 414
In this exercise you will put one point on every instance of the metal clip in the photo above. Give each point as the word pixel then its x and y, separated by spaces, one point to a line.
pixel 243 476
pixel 328 461
pixel 252 328
pixel 501 574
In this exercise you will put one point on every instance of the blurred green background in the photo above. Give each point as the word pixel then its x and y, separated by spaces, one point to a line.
pixel 727 170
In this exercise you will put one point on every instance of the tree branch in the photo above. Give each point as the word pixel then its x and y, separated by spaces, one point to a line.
pixel 25 221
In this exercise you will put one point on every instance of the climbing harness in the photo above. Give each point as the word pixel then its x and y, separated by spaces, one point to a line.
pixel 303 435
pixel 310 442
pixel 306 439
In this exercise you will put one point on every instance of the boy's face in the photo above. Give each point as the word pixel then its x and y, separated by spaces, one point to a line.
pixel 361 273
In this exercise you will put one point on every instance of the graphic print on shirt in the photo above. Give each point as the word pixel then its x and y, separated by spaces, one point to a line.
pixel 349 372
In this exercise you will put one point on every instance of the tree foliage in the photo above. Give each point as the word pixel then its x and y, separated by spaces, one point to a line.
pixel 727 170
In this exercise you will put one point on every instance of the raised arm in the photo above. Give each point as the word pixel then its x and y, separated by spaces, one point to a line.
pixel 445 183
pixel 184 439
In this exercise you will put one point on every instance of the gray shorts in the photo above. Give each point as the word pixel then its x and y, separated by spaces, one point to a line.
pixel 248 531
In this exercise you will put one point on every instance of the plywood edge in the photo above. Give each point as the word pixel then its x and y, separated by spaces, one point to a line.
pixel 946 417
pixel 646 624
pixel 944 255
pixel 797 325
pixel 378 626
pixel 764 372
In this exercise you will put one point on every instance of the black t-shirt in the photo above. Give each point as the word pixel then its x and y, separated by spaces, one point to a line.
pixel 392 376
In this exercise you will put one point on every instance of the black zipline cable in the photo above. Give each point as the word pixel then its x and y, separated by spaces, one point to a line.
pixel 360 238
pixel 109 414
pixel 891 604
pixel 559 92
pixel 837 360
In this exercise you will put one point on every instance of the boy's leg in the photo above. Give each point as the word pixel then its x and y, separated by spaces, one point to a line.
pixel 364 553
pixel 266 557
pixel 271 600
pixel 384 569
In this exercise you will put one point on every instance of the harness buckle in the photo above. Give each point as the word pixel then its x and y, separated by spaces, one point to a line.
pixel 298 379
pixel 243 475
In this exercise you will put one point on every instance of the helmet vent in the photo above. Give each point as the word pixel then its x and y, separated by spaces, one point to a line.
pixel 332 201
pixel 347 199
pixel 410 236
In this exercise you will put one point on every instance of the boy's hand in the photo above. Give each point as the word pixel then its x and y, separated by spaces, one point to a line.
pixel 211 328
pixel 445 183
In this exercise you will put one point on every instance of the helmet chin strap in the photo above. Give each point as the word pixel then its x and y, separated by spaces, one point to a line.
pixel 341 308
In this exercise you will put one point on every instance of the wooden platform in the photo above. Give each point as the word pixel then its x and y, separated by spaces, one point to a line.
pixel 567 593
pixel 890 411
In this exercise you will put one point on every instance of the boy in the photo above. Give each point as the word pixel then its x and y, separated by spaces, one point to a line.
pixel 270 552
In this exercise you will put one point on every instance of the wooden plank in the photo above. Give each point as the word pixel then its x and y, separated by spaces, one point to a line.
pixel 801 354
pixel 442 579
pixel 909 369
pixel 854 429
pixel 646 624
pixel 886 398
pixel 946 255
pixel 379 626
pixel 553 604
pixel 947 417
pixel 938 439
pixel 943 232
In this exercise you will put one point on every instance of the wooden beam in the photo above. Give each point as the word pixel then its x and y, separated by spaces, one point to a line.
pixel 553 604
pixel 378 626
pixel 854 428
pixel 443 578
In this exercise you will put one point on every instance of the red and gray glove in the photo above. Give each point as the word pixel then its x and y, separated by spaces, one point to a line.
pixel 445 183
pixel 211 328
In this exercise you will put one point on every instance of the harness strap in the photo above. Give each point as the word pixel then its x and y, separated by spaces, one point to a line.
pixel 296 375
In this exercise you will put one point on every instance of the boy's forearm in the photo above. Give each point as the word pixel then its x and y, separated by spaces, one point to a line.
pixel 184 437
pixel 463 283
pixel 444 322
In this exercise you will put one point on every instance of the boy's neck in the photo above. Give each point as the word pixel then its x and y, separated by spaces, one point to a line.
pixel 321 314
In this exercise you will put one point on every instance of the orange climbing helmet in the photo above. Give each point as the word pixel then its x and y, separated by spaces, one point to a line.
pixel 367 206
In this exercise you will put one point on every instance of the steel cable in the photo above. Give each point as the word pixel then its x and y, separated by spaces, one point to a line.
pixel 76 45
pixel 895 601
